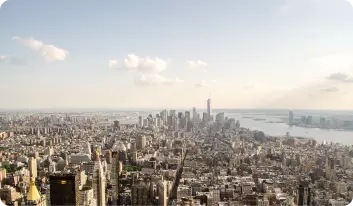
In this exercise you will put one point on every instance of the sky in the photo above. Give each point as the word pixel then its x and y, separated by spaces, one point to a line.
pixel 288 54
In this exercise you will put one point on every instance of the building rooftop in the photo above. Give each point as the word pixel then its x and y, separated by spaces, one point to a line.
pixel 33 194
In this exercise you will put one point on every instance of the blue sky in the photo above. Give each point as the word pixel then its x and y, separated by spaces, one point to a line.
pixel 248 54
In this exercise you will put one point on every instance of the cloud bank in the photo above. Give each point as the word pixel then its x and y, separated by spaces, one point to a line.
pixel 147 70
pixel 143 65
pixel 49 52
pixel 340 77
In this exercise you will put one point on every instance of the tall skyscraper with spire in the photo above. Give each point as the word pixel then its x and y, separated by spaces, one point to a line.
pixel 209 108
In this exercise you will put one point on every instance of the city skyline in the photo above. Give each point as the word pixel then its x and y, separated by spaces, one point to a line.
pixel 283 54
pixel 150 162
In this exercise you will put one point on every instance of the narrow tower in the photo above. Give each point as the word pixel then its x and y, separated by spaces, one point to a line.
pixel 98 181
pixel 209 109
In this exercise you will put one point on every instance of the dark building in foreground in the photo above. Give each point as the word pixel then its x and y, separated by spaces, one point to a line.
pixel 64 189
pixel 304 194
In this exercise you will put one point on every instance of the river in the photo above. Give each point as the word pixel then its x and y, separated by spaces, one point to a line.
pixel 280 129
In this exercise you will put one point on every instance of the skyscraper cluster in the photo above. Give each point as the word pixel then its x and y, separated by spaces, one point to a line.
pixel 177 120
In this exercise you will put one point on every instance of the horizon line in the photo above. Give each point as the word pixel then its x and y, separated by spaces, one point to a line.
pixel 160 108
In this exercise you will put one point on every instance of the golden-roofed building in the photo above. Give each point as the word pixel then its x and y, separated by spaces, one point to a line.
pixel 33 195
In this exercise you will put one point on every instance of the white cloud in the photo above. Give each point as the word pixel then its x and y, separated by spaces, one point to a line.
pixel 350 1
pixel 1 2
pixel 198 64
pixel 3 58
pixel 146 70
pixel 143 65
pixel 49 52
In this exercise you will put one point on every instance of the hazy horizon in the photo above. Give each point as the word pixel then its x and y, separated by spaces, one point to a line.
pixel 271 54
pixel 160 109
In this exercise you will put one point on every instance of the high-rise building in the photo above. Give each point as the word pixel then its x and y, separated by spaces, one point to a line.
pixel 181 120
pixel 205 117
pixel 220 117
pixel 145 123
pixel 209 108
pixel 182 123
pixel 345 161
pixel 98 183
pixel 303 120
pixel 194 113
pixel 141 142
pixel 140 122
pixel 87 197
pixel 64 189
pixel 304 194
pixel 187 116
pixel 330 167
pixel 170 121
pixel 189 126
pixel 116 169
pixel 309 120
pixel 116 125
pixel 162 193
pixel 322 121
pixel 158 121
pixel 87 149
pixel 139 194
pixel 291 118
pixel 172 113
pixel 32 167
pixel 164 116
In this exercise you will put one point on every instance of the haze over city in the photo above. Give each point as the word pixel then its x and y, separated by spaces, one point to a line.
pixel 290 54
